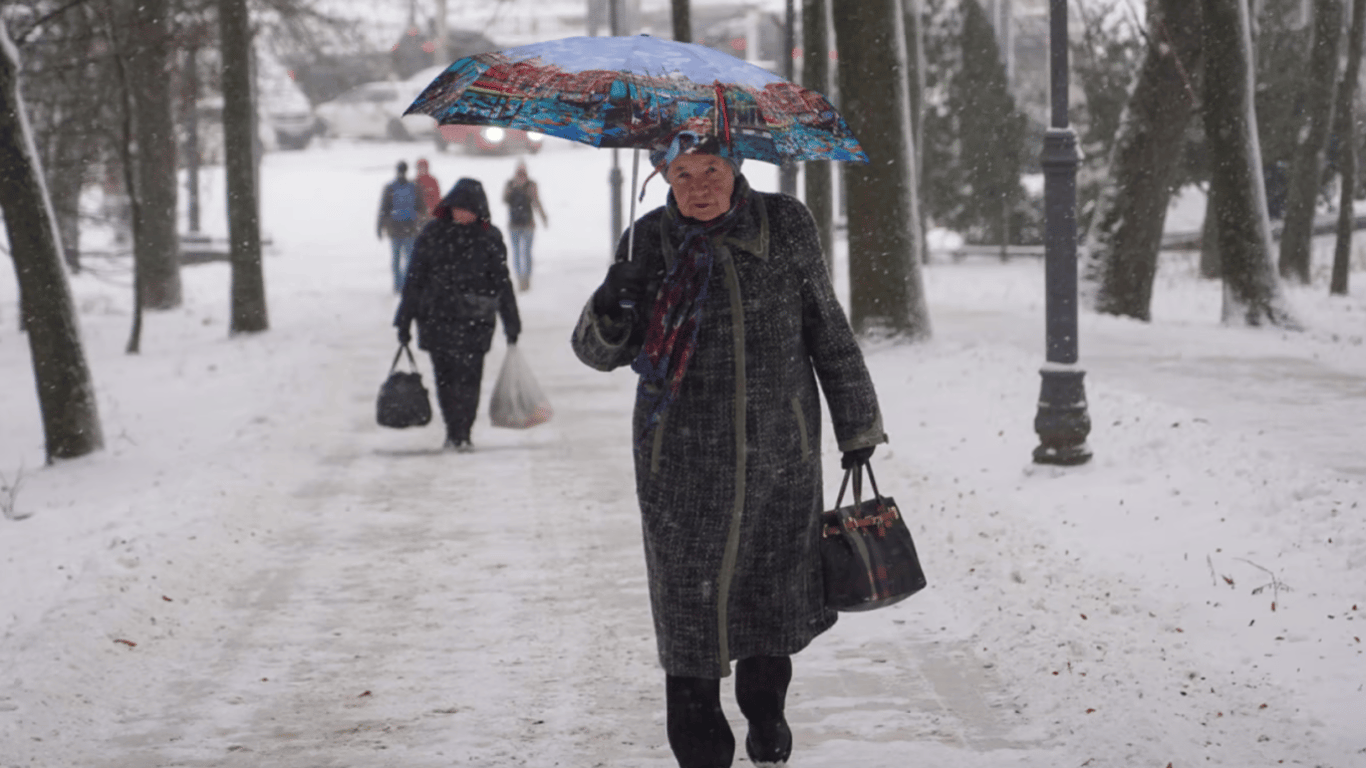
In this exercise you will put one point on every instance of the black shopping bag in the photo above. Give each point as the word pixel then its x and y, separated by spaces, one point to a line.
pixel 402 398
pixel 867 556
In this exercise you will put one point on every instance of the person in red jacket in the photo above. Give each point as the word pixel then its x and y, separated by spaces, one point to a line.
pixel 428 186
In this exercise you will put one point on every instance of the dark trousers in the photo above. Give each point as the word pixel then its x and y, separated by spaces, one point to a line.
pixel 699 735
pixel 458 377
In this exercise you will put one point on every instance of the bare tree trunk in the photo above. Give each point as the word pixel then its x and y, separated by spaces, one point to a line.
pixel 244 231
pixel 885 291
pixel 682 21
pixel 816 76
pixel 1306 174
pixel 157 246
pixel 67 107
pixel 916 62
pixel 70 151
pixel 1211 265
pixel 127 150
pixel 1127 234
pixel 66 393
pixel 1347 161
pixel 1252 290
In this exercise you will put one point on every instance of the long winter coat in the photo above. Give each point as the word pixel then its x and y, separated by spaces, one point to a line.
pixel 457 283
pixel 729 482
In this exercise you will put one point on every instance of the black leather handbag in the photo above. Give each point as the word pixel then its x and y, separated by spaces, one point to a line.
pixel 402 398
pixel 867 555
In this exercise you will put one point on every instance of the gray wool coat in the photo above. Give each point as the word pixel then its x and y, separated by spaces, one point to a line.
pixel 729 483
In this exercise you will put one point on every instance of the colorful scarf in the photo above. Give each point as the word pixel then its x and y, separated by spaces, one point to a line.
pixel 671 336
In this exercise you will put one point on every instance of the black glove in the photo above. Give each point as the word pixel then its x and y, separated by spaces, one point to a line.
pixel 856 457
pixel 625 282
pixel 512 339
pixel 404 336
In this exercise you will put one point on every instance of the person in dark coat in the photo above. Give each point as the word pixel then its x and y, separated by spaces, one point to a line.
pixel 457 284
pixel 726 311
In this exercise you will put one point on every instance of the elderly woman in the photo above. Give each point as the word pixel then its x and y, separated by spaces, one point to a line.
pixel 727 313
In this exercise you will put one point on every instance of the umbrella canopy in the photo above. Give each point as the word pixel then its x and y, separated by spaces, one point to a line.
pixel 637 92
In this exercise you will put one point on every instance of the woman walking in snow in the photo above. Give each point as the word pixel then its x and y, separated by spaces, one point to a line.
pixel 457 284
pixel 727 313
pixel 523 199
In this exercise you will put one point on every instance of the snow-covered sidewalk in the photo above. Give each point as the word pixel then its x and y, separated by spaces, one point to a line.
pixel 254 574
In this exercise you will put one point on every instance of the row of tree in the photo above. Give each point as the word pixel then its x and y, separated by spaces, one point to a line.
pixel 939 120
pixel 1206 77
pixel 1263 111
pixel 87 66
pixel 1199 73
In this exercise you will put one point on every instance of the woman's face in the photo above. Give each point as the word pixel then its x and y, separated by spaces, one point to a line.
pixel 702 185
pixel 462 216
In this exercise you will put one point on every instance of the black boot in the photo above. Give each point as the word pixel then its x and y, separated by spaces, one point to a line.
pixel 699 735
pixel 761 690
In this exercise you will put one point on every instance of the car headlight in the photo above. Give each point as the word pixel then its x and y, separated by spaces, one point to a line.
pixel 535 138
pixel 493 135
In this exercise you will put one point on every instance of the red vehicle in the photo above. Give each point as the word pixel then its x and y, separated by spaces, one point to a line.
pixel 489 140
pixel 473 139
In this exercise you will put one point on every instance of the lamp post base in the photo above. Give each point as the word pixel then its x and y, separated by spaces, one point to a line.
pixel 1062 422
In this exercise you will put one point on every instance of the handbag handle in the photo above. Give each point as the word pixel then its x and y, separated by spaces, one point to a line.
pixel 857 472
pixel 872 481
pixel 401 349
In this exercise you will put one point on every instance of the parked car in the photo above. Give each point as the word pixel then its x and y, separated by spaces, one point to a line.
pixel 373 111
pixel 283 106
pixel 293 128
pixel 489 140
pixel 209 133
pixel 473 139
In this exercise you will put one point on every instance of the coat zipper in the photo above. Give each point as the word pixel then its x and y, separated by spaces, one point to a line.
pixel 737 329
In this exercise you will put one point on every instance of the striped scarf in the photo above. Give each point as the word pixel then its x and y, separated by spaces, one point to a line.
pixel 671 335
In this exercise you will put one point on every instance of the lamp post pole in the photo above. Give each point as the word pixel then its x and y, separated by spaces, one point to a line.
pixel 614 177
pixel 1062 421
pixel 787 172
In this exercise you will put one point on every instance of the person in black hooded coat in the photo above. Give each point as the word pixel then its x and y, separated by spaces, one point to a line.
pixel 457 284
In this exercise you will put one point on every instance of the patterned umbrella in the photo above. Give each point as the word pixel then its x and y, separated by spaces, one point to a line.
pixel 637 92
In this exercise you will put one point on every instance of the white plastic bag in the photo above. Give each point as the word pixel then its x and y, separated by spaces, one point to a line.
pixel 518 402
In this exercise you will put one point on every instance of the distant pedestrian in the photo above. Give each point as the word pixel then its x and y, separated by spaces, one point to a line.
pixel 400 215
pixel 522 199
pixel 456 288
pixel 429 186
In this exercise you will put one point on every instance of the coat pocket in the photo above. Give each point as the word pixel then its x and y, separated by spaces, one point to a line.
pixel 657 443
pixel 801 428
pixel 475 305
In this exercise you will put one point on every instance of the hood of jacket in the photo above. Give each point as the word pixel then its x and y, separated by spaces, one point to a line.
pixel 468 194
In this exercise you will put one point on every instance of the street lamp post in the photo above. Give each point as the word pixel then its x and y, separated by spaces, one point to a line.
pixel 614 177
pixel 1062 422
pixel 787 172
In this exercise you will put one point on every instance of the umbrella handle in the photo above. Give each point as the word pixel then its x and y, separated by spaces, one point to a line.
pixel 631 229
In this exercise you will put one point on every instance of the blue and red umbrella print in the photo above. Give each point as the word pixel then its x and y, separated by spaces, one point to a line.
pixel 637 92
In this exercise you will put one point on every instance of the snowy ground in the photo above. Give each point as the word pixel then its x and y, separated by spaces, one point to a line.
pixel 254 574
